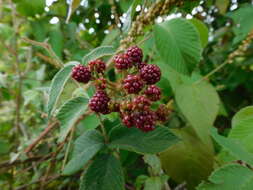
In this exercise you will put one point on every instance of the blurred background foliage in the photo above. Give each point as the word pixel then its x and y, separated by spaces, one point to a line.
pixel 71 29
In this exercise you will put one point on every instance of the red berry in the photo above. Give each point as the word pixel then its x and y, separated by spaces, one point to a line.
pixel 127 120
pixel 150 73
pixel 162 113
pixel 145 120
pixel 141 65
pixel 141 103
pixel 153 93
pixel 97 66
pixel 99 102
pixel 135 53
pixel 133 84
pixel 81 73
pixel 123 61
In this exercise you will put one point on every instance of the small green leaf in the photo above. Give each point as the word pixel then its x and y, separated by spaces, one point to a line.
pixel 105 173
pixel 233 147
pixel 56 40
pixel 135 140
pixel 97 53
pixel 69 114
pixel 178 43
pixel 153 183
pixel 228 177
pixel 56 87
pixel 86 146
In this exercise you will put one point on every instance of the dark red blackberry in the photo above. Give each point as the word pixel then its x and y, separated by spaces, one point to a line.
pixel 133 84
pixel 81 73
pixel 141 103
pixel 127 120
pixel 99 102
pixel 150 73
pixel 100 83
pixel 135 53
pixel 141 65
pixel 162 113
pixel 123 61
pixel 97 66
pixel 145 120
pixel 153 93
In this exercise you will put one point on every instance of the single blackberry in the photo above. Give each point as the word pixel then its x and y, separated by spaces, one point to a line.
pixel 150 73
pixel 162 113
pixel 135 53
pixel 141 65
pixel 81 73
pixel 127 120
pixel 145 120
pixel 123 61
pixel 133 84
pixel 153 93
pixel 100 83
pixel 141 103
pixel 97 66
pixel 99 102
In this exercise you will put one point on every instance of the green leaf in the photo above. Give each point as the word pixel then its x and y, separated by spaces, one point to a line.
pixel 199 102
pixel 202 29
pixel 85 147
pixel 242 127
pixel 4 147
pixel 243 25
pixel 154 162
pixel 228 177
pixel 233 147
pixel 69 113
pixel 135 140
pixel 105 173
pixel 30 8
pixel 97 53
pixel 178 43
pixel 129 16
pixel 153 183
pixel 56 87
pixel 56 40
pixel 189 160
pixel 110 38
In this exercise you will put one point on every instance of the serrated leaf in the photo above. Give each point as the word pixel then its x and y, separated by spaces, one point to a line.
pixel 97 53
pixel 199 102
pixel 233 147
pixel 69 114
pixel 56 87
pixel 202 30
pixel 178 43
pixel 229 177
pixel 189 160
pixel 242 127
pixel 135 140
pixel 105 173
pixel 85 147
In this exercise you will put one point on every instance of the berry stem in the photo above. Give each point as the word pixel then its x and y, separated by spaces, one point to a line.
pixel 103 129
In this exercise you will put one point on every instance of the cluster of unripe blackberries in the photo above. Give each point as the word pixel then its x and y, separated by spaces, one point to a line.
pixel 131 96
